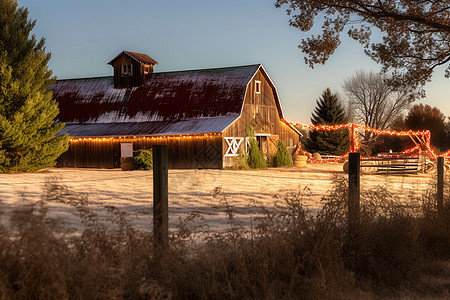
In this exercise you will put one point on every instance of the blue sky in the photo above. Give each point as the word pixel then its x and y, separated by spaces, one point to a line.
pixel 84 35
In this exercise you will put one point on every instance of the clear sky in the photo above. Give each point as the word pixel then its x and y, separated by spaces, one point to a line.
pixel 84 35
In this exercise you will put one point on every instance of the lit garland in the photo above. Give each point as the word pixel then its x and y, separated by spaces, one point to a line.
pixel 352 128
pixel 144 138
pixel 355 143
pixel 328 160
pixel 299 150
pixel 446 154
pixel 409 151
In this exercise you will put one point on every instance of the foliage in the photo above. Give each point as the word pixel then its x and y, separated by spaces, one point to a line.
pixel 421 117
pixel 282 158
pixel 143 159
pixel 374 103
pixel 415 34
pixel 242 160
pixel 27 110
pixel 256 159
pixel 328 111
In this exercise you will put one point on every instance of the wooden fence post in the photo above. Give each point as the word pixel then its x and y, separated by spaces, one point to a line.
pixel 351 133
pixel 353 192
pixel 160 197
pixel 440 185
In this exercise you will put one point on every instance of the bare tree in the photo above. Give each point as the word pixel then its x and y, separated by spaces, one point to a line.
pixel 374 102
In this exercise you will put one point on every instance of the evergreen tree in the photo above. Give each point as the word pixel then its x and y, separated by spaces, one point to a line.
pixel 328 111
pixel 256 159
pixel 27 110
pixel 425 117
pixel 282 158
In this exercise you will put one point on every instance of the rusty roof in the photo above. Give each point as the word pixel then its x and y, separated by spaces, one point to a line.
pixel 139 57
pixel 182 102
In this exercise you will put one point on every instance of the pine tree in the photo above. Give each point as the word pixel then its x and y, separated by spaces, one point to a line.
pixel 328 111
pixel 27 110
pixel 255 157
pixel 282 158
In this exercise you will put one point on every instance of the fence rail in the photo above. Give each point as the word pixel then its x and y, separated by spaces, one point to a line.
pixel 392 165
pixel 354 188
pixel 160 200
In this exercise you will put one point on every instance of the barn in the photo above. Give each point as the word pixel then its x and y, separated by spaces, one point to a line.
pixel 201 115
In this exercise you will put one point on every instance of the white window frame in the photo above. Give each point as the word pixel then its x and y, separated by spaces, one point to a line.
pixel 247 143
pixel 234 143
pixel 127 70
pixel 257 87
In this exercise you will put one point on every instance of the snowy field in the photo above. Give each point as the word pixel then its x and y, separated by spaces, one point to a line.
pixel 207 194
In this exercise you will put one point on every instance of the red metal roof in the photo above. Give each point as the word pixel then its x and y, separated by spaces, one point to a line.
pixel 139 57
pixel 143 58
pixel 202 100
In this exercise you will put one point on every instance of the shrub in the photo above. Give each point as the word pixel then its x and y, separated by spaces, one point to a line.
pixel 282 158
pixel 256 159
pixel 242 160
pixel 143 159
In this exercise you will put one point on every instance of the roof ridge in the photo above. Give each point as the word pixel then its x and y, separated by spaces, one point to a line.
pixel 166 72
pixel 84 78
pixel 208 69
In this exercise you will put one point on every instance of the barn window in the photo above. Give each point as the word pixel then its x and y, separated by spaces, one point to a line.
pixel 127 70
pixel 146 70
pixel 257 86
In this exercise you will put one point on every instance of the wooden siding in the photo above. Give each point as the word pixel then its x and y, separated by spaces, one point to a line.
pixel 184 153
pixel 260 111
pixel 138 72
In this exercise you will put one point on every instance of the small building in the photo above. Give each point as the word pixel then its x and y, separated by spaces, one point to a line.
pixel 201 115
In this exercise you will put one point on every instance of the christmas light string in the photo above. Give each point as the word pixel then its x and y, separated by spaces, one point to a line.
pixel 355 142
pixel 446 154
pixel 409 151
pixel 352 128
pixel 143 138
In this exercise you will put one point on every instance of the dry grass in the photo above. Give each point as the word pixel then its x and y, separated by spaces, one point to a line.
pixel 402 251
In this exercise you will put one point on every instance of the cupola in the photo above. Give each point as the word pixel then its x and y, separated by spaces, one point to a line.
pixel 131 68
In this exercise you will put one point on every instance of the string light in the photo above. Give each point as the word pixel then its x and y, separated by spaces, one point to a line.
pixel 355 143
pixel 446 154
pixel 353 129
pixel 144 138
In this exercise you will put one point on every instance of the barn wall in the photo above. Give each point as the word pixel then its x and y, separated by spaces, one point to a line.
pixel 183 153
pixel 125 82
pixel 260 111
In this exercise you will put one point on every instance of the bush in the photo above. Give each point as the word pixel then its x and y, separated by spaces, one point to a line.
pixel 143 159
pixel 256 159
pixel 282 158
pixel 242 160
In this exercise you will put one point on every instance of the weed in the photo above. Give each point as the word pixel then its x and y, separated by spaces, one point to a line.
pixel 292 253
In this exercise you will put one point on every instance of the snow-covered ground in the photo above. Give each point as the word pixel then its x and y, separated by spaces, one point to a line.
pixel 204 193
